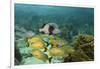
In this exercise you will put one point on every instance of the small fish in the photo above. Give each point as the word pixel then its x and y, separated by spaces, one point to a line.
pixel 50 28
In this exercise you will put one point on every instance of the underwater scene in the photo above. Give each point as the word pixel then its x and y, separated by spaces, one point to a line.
pixel 47 34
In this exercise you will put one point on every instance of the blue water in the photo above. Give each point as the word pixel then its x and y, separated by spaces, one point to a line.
pixel 71 20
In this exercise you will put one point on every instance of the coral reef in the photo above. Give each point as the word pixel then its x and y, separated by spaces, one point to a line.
pixel 43 48
pixel 84 47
